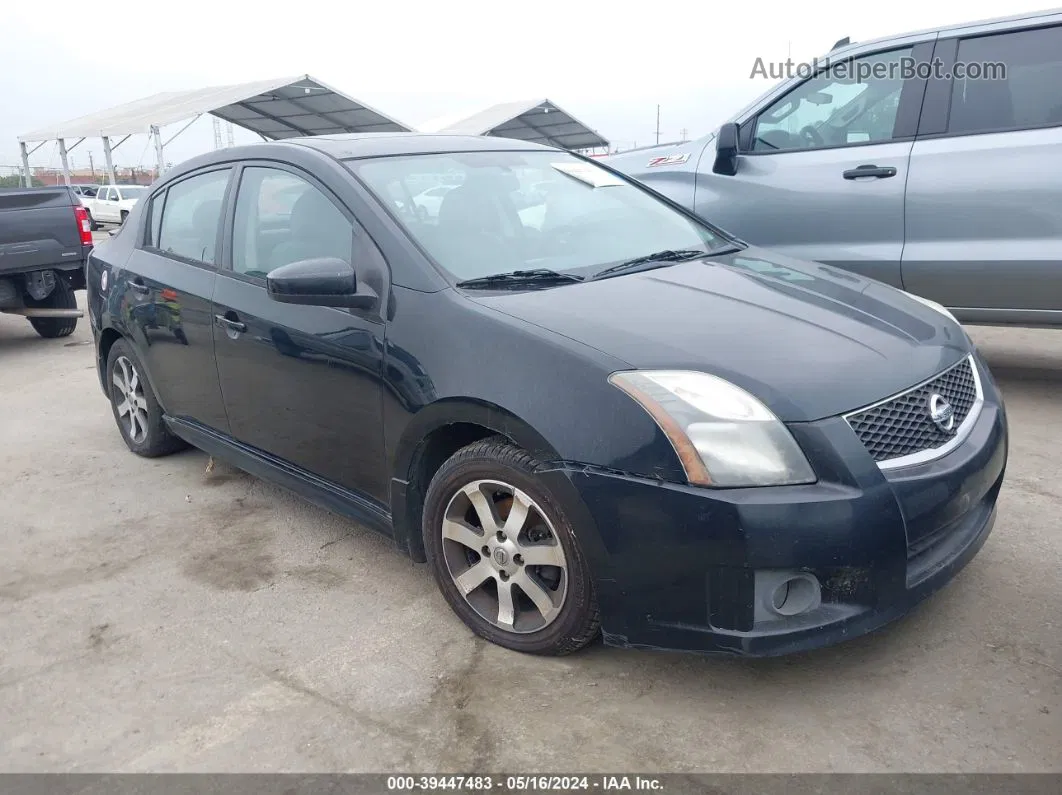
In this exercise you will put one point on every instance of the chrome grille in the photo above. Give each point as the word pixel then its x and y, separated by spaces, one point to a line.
pixel 901 426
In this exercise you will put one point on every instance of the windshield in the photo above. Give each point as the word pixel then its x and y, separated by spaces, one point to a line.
pixel 484 213
pixel 132 193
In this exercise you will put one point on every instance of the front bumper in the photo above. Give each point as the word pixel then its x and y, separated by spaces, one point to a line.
pixel 676 566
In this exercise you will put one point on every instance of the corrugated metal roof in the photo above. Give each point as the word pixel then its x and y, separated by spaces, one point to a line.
pixel 283 108
pixel 539 121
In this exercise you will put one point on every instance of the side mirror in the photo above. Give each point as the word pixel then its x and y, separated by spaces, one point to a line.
pixel 325 281
pixel 726 150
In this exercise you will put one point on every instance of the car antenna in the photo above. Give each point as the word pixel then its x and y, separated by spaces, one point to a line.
pixel 841 43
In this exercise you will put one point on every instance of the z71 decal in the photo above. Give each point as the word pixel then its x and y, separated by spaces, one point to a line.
pixel 669 160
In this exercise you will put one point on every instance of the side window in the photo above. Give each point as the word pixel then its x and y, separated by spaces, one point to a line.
pixel 282 218
pixel 104 194
pixel 1018 83
pixel 191 216
pixel 854 102
pixel 90 192
pixel 156 219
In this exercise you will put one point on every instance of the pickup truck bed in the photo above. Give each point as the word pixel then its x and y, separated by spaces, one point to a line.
pixel 44 241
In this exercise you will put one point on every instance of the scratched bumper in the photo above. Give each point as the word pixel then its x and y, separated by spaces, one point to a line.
pixel 678 565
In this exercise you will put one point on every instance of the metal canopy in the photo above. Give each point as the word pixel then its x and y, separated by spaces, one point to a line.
pixel 283 108
pixel 539 121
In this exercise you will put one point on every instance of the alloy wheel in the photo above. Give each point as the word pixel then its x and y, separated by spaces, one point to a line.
pixel 504 556
pixel 132 410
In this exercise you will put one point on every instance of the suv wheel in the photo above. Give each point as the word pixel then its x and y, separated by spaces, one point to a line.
pixel 61 297
pixel 504 555
pixel 135 408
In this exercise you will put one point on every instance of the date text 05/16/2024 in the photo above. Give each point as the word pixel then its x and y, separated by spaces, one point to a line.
pixel 517 783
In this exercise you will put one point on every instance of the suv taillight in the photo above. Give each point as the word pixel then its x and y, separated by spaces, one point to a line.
pixel 83 225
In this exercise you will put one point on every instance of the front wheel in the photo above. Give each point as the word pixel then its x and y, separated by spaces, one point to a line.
pixel 504 554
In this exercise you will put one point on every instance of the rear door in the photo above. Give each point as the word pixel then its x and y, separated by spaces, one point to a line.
pixel 822 168
pixel 302 383
pixel 984 215
pixel 106 206
pixel 167 286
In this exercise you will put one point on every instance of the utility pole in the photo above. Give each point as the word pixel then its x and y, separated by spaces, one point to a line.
pixel 658 124
pixel 685 134
pixel 92 166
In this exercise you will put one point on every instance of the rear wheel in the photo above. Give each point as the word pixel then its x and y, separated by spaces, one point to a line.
pixel 135 407
pixel 61 297
pixel 504 554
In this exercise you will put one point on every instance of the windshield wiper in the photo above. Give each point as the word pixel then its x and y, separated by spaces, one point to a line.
pixel 535 276
pixel 657 259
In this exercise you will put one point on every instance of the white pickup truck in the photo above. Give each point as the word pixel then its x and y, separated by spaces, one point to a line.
pixel 112 203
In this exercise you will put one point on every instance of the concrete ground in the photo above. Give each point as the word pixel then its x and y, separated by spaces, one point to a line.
pixel 157 617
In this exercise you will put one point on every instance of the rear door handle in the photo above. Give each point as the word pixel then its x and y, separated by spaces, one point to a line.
pixel 234 325
pixel 881 172
pixel 139 286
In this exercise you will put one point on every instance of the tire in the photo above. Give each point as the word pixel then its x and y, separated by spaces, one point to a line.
pixel 125 374
pixel 62 297
pixel 505 477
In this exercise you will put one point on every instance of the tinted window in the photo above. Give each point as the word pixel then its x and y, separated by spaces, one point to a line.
pixel 836 107
pixel 1030 95
pixel 191 216
pixel 156 219
pixel 282 218
pixel 583 219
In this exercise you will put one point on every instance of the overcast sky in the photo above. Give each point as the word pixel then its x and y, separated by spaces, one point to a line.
pixel 609 63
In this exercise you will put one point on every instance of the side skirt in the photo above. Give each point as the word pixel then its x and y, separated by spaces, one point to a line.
pixel 318 491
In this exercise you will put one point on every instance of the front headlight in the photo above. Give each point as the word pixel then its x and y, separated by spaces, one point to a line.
pixel 723 436
pixel 933 305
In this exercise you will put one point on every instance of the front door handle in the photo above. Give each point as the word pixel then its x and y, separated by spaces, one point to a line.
pixel 233 325
pixel 881 172
pixel 139 286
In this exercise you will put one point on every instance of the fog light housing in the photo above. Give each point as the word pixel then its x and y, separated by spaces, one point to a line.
pixel 781 594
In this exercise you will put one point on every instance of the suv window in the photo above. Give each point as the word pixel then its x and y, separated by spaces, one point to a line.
pixel 191 216
pixel 282 218
pixel 1030 95
pixel 104 194
pixel 836 107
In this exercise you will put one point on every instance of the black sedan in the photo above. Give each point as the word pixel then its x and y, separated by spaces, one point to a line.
pixel 591 412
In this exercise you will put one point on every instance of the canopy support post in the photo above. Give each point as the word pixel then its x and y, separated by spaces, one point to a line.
pixel 109 161
pixel 160 160
pixel 66 161
pixel 27 178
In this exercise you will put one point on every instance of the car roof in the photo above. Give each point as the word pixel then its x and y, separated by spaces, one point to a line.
pixel 357 145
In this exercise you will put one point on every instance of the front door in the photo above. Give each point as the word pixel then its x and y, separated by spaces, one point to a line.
pixel 302 383
pixel 822 169
pixel 167 286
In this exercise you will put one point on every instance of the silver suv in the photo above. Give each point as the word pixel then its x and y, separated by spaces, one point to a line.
pixel 931 161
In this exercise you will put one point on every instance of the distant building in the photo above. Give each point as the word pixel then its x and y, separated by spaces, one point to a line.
pixel 127 176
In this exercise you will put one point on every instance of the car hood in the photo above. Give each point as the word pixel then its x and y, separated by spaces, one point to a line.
pixel 808 340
